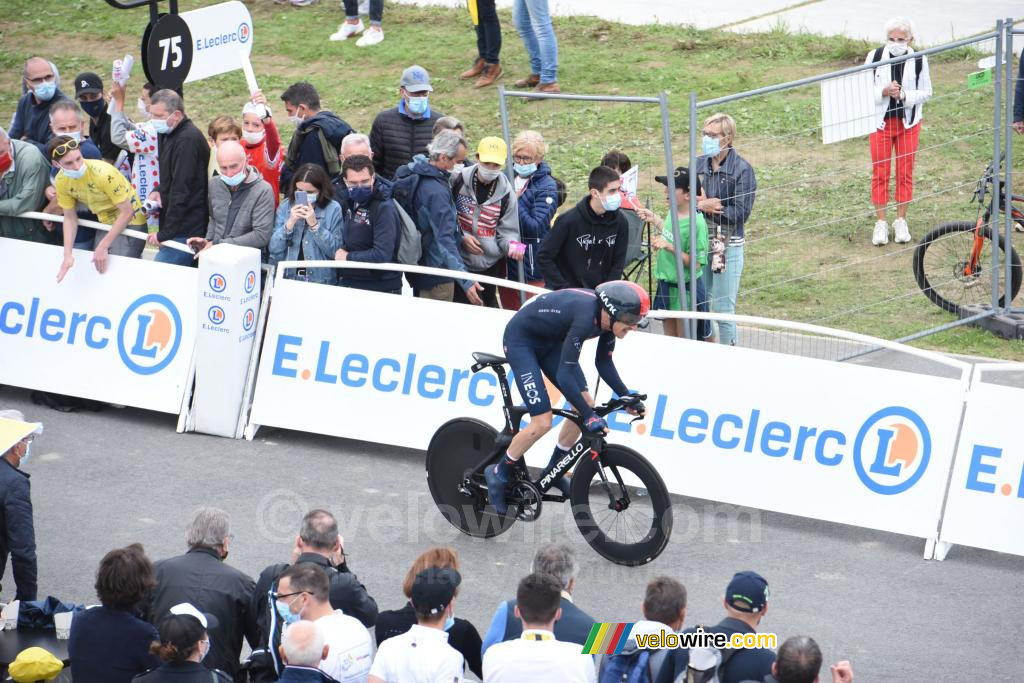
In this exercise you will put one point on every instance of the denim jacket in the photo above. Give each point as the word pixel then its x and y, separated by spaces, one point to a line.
pixel 318 245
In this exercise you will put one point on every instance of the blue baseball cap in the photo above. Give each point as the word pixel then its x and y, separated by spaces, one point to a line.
pixel 747 592
pixel 416 79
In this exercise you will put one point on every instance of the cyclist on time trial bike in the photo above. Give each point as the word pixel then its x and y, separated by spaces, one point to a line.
pixel 546 337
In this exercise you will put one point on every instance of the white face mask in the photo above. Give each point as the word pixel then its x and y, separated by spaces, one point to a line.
pixel 254 138
pixel 487 175
pixel 897 49
pixel 457 168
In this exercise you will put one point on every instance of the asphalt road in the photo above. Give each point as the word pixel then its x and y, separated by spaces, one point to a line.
pixel 103 480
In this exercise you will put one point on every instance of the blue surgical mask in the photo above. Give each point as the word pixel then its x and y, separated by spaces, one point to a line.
pixel 285 612
pixel 233 180
pixel 360 195
pixel 74 174
pixel 75 135
pixel 524 170
pixel 206 651
pixel 44 92
pixel 449 622
pixel 711 146
pixel 417 105
pixel 160 126
pixel 28 452
pixel 612 203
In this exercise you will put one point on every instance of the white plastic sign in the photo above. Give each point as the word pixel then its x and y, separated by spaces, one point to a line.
pixel 221 36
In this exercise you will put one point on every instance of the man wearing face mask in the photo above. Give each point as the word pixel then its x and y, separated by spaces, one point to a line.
pixel 18 540
pixel 400 133
pixel 32 117
pixel 241 203
pixel 302 593
pixel 89 93
pixel 587 245
pixel 422 654
pixel 183 192
pixel 488 216
pixel 318 133
pixel 24 177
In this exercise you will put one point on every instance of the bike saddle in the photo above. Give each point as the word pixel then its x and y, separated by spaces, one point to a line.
pixel 487 359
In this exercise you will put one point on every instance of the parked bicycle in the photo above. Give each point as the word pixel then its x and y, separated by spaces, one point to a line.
pixel 619 501
pixel 953 262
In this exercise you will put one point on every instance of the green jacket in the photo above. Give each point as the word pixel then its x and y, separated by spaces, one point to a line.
pixel 22 190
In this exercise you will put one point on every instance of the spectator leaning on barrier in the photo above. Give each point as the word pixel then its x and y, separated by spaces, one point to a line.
pixel 89 93
pixel 308 230
pixel 302 593
pixel 538 655
pixel 31 122
pixel 24 177
pixel 202 577
pixel 537 195
pixel 18 537
pixel 462 635
pixel 587 245
pixel 423 654
pixel 262 142
pixel 66 118
pixel 488 216
pixel 241 204
pixel 302 649
pixel 102 189
pixel 319 543
pixel 141 142
pixel 432 206
pixel 799 661
pixel 533 23
pixel 108 643
pixel 400 133
pixel 901 89
pixel 372 229
pixel 559 561
pixel 730 187
pixel 318 132
pixel 184 158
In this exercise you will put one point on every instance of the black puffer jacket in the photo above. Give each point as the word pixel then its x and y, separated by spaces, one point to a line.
pixel 395 138
pixel 17 535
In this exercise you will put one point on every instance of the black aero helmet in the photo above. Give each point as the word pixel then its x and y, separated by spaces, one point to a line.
pixel 626 302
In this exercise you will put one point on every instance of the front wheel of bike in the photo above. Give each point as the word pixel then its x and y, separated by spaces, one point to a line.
pixel 944 273
pixel 627 516
pixel 454 451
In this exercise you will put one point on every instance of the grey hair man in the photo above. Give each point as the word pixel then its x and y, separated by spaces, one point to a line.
pixel 557 560
pixel 202 577
pixel 18 539
pixel 24 177
pixel 799 661
pixel 302 650
pixel 449 123
pixel 31 121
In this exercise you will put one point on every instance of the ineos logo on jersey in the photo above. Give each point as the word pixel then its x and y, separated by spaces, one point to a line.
pixel 530 384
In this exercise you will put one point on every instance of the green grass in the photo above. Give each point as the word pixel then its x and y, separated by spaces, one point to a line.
pixel 808 255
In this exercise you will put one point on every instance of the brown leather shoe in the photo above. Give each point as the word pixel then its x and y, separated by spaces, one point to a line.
pixel 475 70
pixel 551 87
pixel 490 74
pixel 531 81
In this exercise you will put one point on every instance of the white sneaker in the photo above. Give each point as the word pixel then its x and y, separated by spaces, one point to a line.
pixel 881 234
pixel 901 233
pixel 346 29
pixel 371 37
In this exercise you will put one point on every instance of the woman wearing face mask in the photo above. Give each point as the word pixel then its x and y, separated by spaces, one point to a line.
pixel 901 89
pixel 262 142
pixel 462 635
pixel 308 226
pixel 488 217
pixel 184 643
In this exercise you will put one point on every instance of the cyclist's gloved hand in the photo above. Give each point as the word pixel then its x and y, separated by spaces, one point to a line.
pixel 596 425
pixel 632 403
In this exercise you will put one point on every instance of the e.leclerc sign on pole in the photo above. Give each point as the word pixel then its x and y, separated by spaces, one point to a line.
pixel 181 48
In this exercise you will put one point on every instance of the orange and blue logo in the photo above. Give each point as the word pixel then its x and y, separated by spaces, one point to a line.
pixel 149 334
pixel 216 315
pixel 607 639
pixel 244 32
pixel 892 450
pixel 249 319
pixel 218 283
pixel 250 282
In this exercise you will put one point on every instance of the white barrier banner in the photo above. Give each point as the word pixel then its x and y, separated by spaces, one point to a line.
pixel 843 443
pixel 124 337
pixel 985 508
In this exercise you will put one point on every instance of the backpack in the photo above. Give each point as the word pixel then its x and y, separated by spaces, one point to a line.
pixel 410 241
pixel 637 666
pixel 918 62
pixel 705 664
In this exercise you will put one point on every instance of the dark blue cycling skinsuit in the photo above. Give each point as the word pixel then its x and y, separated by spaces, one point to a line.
pixel 546 336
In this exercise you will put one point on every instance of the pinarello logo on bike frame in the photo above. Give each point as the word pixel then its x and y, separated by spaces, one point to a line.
pixel 250 282
pixel 892 450
pixel 216 315
pixel 218 283
pixel 248 319
pixel 149 334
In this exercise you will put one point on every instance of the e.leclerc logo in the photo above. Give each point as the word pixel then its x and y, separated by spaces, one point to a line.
pixel 892 450
pixel 248 319
pixel 149 334
pixel 244 32
pixel 250 281
pixel 216 315
pixel 218 283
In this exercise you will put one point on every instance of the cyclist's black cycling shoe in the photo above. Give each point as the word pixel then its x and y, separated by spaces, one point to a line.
pixel 497 477
pixel 562 483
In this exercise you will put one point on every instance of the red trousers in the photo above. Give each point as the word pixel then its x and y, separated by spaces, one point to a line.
pixel 895 136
